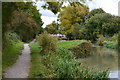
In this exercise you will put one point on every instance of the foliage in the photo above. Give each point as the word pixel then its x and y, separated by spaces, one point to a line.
pixel 11 53
pixel 82 50
pixel 103 23
pixel 55 7
pixel 15 14
pixel 79 31
pixel 110 44
pixel 100 40
pixel 94 12
pixel 11 37
pixel 119 40
pixel 48 42
pixel 23 26
pixel 61 64
pixel 52 28
pixel 67 66
pixel 71 15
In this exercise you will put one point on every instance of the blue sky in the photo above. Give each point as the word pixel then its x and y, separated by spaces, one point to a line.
pixel 109 6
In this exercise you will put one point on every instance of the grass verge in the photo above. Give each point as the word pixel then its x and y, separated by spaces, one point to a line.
pixel 11 53
pixel 61 64
pixel 39 68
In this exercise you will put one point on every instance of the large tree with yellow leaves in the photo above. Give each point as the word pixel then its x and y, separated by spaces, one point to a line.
pixel 71 15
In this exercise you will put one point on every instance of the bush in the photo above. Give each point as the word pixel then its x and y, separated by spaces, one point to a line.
pixel 82 49
pixel 61 64
pixel 110 44
pixel 100 41
pixel 48 43
pixel 9 39
pixel 68 67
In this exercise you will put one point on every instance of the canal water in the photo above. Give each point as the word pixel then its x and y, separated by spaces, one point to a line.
pixel 103 58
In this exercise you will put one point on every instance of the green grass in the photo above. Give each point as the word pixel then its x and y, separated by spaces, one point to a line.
pixel 11 53
pixel 38 67
pixel 60 64
pixel 68 44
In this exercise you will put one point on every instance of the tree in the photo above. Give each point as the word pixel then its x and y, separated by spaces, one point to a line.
pixel 15 14
pixel 119 41
pixel 52 28
pixel 56 6
pixel 53 6
pixel 71 15
pixel 103 23
pixel 23 25
pixel 94 12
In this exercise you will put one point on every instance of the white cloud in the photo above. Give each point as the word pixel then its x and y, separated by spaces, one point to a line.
pixel 47 15
pixel 109 6
pixel 47 20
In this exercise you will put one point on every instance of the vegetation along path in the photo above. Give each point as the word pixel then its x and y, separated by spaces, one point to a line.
pixel 21 68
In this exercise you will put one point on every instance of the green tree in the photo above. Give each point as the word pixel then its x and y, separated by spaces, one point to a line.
pixel 56 6
pixel 103 23
pixel 71 15
pixel 52 28
pixel 53 6
pixel 17 13
pixel 94 12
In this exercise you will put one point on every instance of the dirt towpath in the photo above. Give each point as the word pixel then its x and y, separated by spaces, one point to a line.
pixel 21 68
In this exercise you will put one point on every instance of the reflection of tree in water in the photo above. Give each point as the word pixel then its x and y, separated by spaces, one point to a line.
pixel 101 59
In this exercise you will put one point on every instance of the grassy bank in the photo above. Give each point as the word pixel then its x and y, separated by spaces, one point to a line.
pixel 68 44
pixel 39 68
pixel 61 64
pixel 108 42
pixel 11 53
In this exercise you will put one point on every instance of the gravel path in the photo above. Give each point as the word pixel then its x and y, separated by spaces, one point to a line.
pixel 21 68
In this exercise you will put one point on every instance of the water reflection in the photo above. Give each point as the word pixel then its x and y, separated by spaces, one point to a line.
pixel 101 59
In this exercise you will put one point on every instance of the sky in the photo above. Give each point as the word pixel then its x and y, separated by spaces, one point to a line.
pixel 109 6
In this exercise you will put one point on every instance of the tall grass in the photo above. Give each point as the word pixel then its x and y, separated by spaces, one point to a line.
pixel 61 64
pixel 10 54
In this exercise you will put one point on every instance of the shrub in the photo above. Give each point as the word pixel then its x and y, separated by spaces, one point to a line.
pixel 119 40
pixel 110 44
pixel 68 67
pixel 10 38
pixel 82 49
pixel 48 43
pixel 100 41
pixel 62 64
